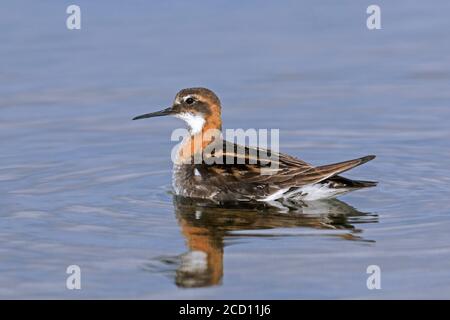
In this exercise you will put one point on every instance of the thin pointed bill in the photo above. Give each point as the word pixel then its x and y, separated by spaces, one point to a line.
pixel 165 112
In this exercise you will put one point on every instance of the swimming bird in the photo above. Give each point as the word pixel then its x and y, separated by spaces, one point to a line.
pixel 244 173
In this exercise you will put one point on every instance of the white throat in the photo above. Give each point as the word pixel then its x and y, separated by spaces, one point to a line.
pixel 195 122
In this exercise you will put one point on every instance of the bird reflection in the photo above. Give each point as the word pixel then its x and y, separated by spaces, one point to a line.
pixel 206 225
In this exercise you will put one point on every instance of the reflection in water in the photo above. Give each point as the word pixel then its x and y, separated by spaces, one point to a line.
pixel 205 226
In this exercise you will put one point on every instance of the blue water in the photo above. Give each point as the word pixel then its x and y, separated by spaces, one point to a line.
pixel 80 183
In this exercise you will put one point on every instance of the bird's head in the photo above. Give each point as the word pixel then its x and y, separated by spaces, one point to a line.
pixel 198 107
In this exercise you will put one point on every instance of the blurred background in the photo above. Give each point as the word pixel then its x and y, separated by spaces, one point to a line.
pixel 80 183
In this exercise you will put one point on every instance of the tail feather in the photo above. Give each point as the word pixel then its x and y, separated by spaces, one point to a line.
pixel 331 170
pixel 345 183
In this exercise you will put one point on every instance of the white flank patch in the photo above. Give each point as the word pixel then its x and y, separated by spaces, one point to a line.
pixel 316 192
pixel 308 193
pixel 195 122
pixel 276 195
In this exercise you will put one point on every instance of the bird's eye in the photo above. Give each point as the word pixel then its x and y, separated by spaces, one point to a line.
pixel 190 100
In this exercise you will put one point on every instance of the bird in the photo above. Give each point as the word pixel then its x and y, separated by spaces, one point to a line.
pixel 244 173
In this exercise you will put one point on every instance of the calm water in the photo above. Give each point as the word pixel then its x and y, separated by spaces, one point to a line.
pixel 82 184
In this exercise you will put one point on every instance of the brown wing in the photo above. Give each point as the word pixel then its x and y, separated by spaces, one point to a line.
pixel 260 172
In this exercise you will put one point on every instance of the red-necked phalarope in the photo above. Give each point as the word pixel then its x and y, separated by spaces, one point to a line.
pixel 293 179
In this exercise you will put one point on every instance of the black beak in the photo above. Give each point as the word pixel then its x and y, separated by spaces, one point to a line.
pixel 164 112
